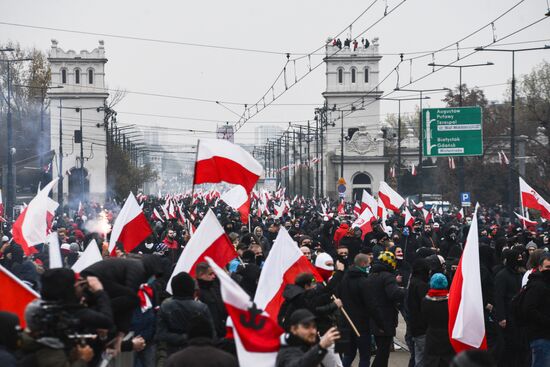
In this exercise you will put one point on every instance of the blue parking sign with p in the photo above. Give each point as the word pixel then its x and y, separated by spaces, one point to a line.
pixel 465 199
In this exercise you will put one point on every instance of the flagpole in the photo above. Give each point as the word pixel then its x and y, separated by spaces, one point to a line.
pixel 195 170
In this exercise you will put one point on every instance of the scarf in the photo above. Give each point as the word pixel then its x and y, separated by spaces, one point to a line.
pixel 437 293
pixel 145 294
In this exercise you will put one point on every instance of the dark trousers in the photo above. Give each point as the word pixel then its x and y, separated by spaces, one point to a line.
pixel 363 343
pixel 383 345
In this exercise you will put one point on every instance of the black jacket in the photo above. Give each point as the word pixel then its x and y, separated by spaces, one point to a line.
pixel 387 295
pixel 415 294
pixel 507 285
pixel 298 354
pixel 211 296
pixel 173 320
pixel 202 353
pixel 318 300
pixel 536 306
pixel 357 301
pixel 436 312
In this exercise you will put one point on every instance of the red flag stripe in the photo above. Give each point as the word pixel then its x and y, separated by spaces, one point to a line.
pixel 217 169
pixel 134 232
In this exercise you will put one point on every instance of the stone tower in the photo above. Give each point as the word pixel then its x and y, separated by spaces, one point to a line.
pixel 351 93
pixel 77 132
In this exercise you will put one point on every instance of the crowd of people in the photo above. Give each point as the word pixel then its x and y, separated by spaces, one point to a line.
pixel 372 281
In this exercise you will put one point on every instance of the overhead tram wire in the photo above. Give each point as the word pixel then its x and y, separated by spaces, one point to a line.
pixel 194 44
pixel 241 123
pixel 396 68
pixel 450 63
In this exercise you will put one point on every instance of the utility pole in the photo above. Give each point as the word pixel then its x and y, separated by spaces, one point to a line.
pixel 300 167
pixel 308 162
pixel 342 144
pixel 512 166
pixel 10 149
pixel 294 161
pixel 317 155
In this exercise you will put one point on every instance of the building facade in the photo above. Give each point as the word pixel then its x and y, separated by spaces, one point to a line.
pixel 77 132
pixel 353 116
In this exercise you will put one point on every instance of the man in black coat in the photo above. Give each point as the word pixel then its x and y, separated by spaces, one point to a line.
pixel 210 294
pixel 121 279
pixel 175 315
pixel 507 285
pixel 306 293
pixel 536 307
pixel 303 347
pixel 387 295
pixel 418 287
pixel 360 308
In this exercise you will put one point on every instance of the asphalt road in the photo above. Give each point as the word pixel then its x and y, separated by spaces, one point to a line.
pixel 399 358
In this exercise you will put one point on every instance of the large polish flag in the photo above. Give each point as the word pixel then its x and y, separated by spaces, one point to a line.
pixel 131 226
pixel 368 201
pixel 238 199
pixel 31 227
pixel 257 335
pixel 531 199
pixel 220 160
pixel 208 240
pixel 284 262
pixel 391 199
pixel 16 295
pixel 466 322
pixel 364 222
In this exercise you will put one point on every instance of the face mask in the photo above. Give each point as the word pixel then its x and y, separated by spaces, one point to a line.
pixel 149 245
pixel 362 268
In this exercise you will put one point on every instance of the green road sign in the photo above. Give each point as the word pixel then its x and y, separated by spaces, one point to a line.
pixel 452 131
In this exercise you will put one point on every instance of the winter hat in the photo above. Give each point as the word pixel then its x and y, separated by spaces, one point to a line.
pixel 58 285
pixel 439 281
pixel 200 327
pixel 5 239
pixel 74 247
pixel 300 316
pixel 388 258
pixel 183 285
pixel 322 267
pixel 532 245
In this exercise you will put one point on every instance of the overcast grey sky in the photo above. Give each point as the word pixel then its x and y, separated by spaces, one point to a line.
pixel 295 26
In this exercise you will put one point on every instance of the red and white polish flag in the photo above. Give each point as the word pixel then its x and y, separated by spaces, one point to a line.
pixel 364 222
pixel 257 335
pixel 460 214
pixel 219 160
pixel 466 321
pixel 31 227
pixel 368 201
pixel 208 240
pixel 17 295
pixel 284 262
pixel 357 209
pixel 413 169
pixel 131 226
pixel 157 216
pixel 526 222
pixel 428 215
pixel 238 199
pixel 532 200
pixel 391 199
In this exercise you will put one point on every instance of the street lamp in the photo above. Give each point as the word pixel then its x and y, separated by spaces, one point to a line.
pixel 10 194
pixel 461 186
pixel 399 130
pixel 511 180
pixel 421 132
